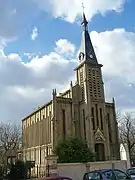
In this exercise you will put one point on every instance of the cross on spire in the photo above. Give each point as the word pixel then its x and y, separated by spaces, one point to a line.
pixel 84 21
pixel 83 7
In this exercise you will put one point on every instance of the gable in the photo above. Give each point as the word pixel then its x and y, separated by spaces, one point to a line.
pixel 99 135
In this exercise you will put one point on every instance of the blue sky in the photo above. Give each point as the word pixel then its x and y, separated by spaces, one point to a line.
pixel 51 29
pixel 26 63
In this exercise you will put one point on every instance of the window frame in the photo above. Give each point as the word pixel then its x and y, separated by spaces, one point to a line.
pixel 109 171
pixel 86 176
pixel 117 170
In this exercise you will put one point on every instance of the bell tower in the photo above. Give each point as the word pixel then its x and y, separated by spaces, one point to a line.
pixel 92 106
pixel 91 67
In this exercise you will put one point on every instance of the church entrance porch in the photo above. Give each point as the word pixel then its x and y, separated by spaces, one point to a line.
pixel 100 152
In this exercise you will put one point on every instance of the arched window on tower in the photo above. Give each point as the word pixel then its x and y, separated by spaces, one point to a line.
pixel 64 123
pixel 96 106
pixel 92 118
pixel 82 84
pixel 109 127
pixel 101 118
pixel 84 125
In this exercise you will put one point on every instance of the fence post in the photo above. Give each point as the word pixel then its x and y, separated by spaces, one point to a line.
pixel 113 165
pixel 87 167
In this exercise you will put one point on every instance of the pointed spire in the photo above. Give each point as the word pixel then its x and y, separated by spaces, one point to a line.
pixel 87 52
pixel 71 84
pixel 54 93
pixel 113 100
pixel 84 20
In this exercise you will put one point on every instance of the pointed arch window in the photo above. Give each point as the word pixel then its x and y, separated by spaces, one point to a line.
pixel 92 118
pixel 64 123
pixel 84 125
pixel 96 106
pixel 101 118
pixel 109 127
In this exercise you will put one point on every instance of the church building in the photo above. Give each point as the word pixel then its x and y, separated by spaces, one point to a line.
pixel 80 111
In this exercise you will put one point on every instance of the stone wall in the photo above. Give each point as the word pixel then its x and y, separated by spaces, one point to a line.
pixel 77 170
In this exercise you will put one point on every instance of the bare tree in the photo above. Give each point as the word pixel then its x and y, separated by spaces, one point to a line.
pixel 127 132
pixel 118 116
pixel 10 137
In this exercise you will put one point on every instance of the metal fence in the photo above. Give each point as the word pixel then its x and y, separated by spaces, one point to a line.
pixel 39 171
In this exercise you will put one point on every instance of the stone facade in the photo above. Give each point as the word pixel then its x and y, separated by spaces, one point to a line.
pixel 80 111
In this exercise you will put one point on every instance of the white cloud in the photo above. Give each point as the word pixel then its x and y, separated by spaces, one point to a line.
pixel 69 10
pixel 63 46
pixel 31 55
pixel 25 86
pixel 13 56
pixel 116 51
pixel 34 33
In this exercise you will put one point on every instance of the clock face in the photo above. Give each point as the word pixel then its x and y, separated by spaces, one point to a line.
pixel 81 56
pixel 91 56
